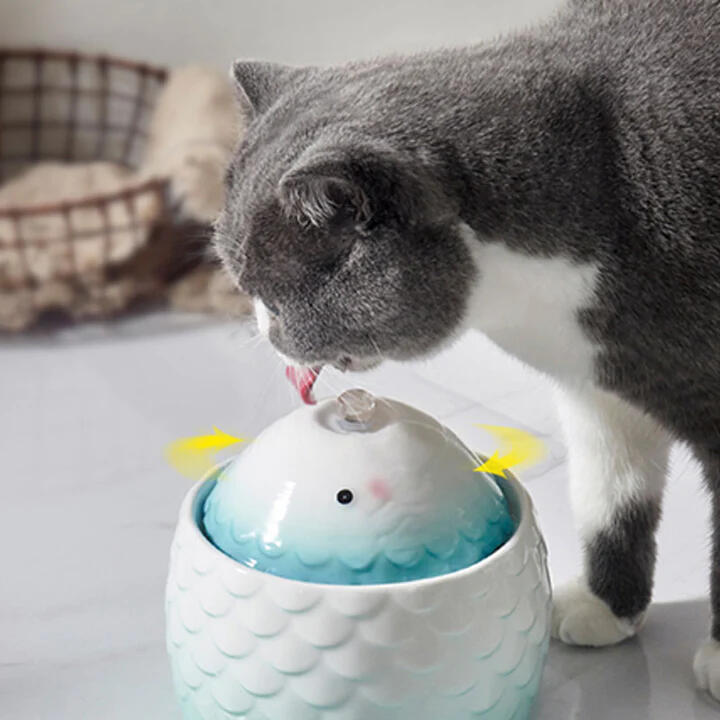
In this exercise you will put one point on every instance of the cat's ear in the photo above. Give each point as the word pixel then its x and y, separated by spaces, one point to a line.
pixel 317 189
pixel 361 184
pixel 259 84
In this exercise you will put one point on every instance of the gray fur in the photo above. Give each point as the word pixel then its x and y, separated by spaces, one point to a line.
pixel 594 136
pixel 258 83
pixel 620 559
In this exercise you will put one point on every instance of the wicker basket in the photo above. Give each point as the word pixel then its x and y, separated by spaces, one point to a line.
pixel 70 107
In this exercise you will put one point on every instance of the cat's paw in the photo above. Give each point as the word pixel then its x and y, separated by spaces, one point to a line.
pixel 707 667
pixel 581 618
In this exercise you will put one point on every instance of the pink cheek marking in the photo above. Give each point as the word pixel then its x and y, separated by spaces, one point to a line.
pixel 380 489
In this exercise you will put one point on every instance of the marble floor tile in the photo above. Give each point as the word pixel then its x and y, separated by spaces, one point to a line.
pixel 88 507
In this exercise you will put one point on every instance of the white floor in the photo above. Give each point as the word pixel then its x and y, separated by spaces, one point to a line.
pixel 88 507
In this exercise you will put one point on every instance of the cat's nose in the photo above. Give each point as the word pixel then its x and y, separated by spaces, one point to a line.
pixel 343 363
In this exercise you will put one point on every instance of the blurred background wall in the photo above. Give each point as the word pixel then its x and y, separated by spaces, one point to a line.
pixel 173 32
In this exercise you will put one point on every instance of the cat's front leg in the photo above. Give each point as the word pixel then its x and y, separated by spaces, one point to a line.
pixel 618 460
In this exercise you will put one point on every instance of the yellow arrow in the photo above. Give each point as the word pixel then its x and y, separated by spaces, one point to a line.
pixel 517 448
pixel 195 456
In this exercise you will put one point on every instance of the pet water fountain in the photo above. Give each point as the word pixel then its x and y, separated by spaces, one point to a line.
pixel 351 563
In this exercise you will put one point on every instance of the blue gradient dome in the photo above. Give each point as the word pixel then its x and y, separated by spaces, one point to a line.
pixel 356 490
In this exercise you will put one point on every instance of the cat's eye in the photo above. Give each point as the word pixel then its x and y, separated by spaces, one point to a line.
pixel 345 497
pixel 272 309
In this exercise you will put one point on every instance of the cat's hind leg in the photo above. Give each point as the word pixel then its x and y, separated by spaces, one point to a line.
pixel 618 459
pixel 707 658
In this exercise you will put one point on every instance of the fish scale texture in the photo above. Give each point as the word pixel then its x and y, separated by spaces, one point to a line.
pixel 481 534
pixel 245 644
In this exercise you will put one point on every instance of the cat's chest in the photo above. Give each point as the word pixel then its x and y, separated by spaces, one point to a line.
pixel 529 306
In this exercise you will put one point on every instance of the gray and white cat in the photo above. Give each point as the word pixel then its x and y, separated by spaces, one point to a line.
pixel 559 190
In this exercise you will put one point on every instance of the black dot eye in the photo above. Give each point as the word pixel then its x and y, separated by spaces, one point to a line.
pixel 345 497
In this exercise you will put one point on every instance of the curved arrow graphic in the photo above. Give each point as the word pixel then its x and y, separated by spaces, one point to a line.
pixel 517 448
pixel 193 457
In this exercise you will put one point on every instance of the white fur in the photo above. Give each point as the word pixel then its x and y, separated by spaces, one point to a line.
pixel 616 454
pixel 581 618
pixel 528 306
pixel 707 667
pixel 262 316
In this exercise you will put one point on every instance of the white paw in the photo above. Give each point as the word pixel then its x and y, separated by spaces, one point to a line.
pixel 707 667
pixel 581 618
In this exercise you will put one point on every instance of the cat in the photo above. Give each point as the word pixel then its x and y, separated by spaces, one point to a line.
pixel 557 189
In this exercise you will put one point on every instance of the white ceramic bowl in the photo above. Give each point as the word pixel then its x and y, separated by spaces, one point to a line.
pixel 245 644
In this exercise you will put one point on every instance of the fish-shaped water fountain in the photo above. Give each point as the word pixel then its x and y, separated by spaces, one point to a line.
pixel 350 563
pixel 357 490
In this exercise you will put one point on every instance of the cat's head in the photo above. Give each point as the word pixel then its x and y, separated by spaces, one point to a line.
pixel 343 238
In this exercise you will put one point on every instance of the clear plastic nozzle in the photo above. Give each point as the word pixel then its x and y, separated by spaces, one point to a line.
pixel 356 409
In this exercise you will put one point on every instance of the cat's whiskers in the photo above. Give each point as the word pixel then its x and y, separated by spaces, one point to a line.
pixel 270 384
pixel 375 345
pixel 325 380
pixel 250 344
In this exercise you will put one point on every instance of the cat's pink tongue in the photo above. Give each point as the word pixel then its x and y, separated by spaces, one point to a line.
pixel 303 379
